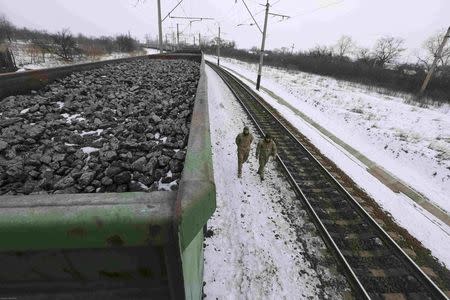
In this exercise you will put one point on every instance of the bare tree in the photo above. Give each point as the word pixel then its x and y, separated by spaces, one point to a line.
pixel 344 46
pixel 364 55
pixel 387 49
pixel 7 63
pixel 282 50
pixel 431 46
pixel 126 43
pixel 43 44
pixel 6 29
pixel 64 44
pixel 320 51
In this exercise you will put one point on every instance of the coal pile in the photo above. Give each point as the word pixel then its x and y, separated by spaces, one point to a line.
pixel 122 127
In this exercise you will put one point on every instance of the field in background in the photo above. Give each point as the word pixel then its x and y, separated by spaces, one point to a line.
pixel 27 58
pixel 410 141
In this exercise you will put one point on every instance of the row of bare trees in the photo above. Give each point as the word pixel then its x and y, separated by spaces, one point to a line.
pixel 62 45
pixel 7 63
pixel 378 66
pixel 387 50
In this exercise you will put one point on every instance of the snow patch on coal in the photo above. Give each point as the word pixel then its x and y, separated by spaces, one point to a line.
pixel 122 127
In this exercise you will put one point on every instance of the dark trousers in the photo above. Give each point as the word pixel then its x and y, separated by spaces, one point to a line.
pixel 242 158
pixel 262 164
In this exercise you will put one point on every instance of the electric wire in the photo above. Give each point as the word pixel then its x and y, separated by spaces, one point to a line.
pixel 314 10
pixel 256 23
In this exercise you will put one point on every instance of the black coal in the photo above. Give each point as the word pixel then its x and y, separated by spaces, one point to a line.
pixel 123 127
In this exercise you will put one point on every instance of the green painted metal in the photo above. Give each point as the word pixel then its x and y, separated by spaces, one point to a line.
pixel 197 195
pixel 82 236
pixel 196 200
pixel 84 220
pixel 192 258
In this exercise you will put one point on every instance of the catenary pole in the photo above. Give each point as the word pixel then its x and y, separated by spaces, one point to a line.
pixel 436 58
pixel 263 43
pixel 218 49
pixel 160 28
pixel 178 36
pixel 173 41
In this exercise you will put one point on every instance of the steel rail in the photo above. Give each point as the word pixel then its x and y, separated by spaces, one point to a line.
pixel 354 281
pixel 356 284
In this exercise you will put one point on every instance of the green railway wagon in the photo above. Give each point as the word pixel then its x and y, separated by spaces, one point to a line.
pixel 132 245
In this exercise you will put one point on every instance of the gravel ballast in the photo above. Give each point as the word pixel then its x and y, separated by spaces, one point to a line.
pixel 122 127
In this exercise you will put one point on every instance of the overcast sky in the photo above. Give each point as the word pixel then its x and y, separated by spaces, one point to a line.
pixel 313 22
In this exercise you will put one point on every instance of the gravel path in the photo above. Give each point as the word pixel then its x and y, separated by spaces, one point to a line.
pixel 122 127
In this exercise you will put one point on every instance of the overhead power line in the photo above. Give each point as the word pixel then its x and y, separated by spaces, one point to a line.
pixel 160 21
pixel 278 15
pixel 259 12
pixel 192 18
pixel 256 23
pixel 317 9
pixel 172 10
pixel 275 3
pixel 264 34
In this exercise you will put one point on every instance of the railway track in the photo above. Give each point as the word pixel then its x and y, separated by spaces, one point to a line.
pixel 375 266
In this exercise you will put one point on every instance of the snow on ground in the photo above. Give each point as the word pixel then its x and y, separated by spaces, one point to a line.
pixel 28 59
pixel 409 141
pixel 325 108
pixel 255 252
pixel 149 51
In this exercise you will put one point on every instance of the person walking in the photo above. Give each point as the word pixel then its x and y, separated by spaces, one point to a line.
pixel 264 150
pixel 243 142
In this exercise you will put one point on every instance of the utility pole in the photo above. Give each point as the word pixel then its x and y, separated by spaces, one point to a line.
pixel 199 40
pixel 160 27
pixel 166 41
pixel 178 36
pixel 218 49
pixel 437 56
pixel 174 40
pixel 194 40
pixel 192 19
pixel 264 34
pixel 292 49
pixel 263 43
